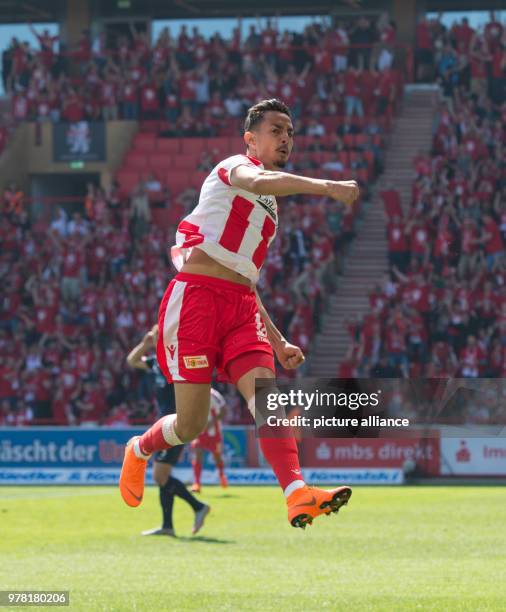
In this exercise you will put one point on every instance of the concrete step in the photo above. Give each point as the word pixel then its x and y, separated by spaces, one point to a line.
pixel 367 260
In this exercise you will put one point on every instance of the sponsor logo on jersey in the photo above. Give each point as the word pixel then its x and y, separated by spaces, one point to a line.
pixel 195 362
pixel 268 204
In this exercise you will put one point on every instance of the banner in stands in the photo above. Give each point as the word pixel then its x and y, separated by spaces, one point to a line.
pixel 75 448
pixel 236 476
pixel 81 141
pixel 473 456
pixel 93 456
pixel 373 453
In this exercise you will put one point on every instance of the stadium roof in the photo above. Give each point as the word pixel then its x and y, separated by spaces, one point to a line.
pixel 19 11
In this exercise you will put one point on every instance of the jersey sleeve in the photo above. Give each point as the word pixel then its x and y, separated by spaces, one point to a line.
pixel 224 168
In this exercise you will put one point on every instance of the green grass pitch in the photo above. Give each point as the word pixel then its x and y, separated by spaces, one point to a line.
pixel 426 548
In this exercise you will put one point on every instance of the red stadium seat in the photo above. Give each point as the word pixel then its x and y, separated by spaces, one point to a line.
pixel 128 180
pixel 178 181
pixel 186 162
pixel 160 162
pixel 168 145
pixel 145 142
pixel 159 217
pixel 192 146
pixel 354 156
pixel 344 158
pixel 369 157
pixel 197 178
pixel 326 156
pixel 378 140
pixel 135 160
pixel 150 127
pixel 236 145
pixel 316 157
pixel 329 123
pixel 349 141
pixel 300 143
pixel 219 144
pixel 360 140
pixel 363 175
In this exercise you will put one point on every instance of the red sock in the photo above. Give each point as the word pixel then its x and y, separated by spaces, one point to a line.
pixel 152 440
pixel 197 471
pixel 220 467
pixel 283 457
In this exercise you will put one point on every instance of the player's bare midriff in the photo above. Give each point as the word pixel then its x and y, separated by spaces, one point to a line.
pixel 200 263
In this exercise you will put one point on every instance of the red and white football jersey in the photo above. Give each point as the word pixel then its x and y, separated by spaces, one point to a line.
pixel 233 226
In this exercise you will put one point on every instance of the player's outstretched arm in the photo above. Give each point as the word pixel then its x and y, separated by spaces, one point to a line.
pixel 289 355
pixel 135 357
pixel 267 182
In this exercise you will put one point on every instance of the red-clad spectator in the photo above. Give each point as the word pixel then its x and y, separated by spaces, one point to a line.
pixel 493 32
pixel 20 107
pixel 424 52
pixel 397 243
pixel 118 417
pixel 463 33
pixel 323 60
pixel 150 106
pixel 471 357
pixel 73 107
pixel 89 403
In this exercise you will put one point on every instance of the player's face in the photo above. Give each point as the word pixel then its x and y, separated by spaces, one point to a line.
pixel 272 140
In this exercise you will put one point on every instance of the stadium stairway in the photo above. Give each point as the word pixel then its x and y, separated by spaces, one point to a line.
pixel 367 259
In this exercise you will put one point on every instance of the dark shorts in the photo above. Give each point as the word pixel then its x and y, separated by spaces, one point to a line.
pixel 170 455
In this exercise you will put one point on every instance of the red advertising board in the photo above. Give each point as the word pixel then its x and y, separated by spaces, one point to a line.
pixel 372 453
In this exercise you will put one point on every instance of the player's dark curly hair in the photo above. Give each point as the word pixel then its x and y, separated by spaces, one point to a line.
pixel 256 112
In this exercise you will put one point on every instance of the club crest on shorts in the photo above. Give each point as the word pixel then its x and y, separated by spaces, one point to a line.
pixel 195 362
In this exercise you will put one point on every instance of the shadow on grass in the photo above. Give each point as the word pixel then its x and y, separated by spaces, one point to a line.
pixel 204 539
pixel 228 496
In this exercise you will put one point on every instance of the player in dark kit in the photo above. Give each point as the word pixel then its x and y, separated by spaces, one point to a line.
pixel 142 357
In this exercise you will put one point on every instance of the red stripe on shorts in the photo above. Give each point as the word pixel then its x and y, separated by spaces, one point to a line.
pixel 160 348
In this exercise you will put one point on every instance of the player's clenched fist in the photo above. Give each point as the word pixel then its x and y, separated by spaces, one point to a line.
pixel 289 355
pixel 344 191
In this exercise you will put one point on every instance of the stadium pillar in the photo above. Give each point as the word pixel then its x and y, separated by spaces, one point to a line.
pixel 77 19
pixel 405 13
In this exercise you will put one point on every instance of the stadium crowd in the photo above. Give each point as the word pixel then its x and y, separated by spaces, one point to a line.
pixel 462 55
pixel 67 321
pixel 441 310
pixel 436 313
pixel 199 86
pixel 66 328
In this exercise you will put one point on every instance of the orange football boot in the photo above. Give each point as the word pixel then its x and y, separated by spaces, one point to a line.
pixel 133 472
pixel 195 488
pixel 223 481
pixel 306 503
